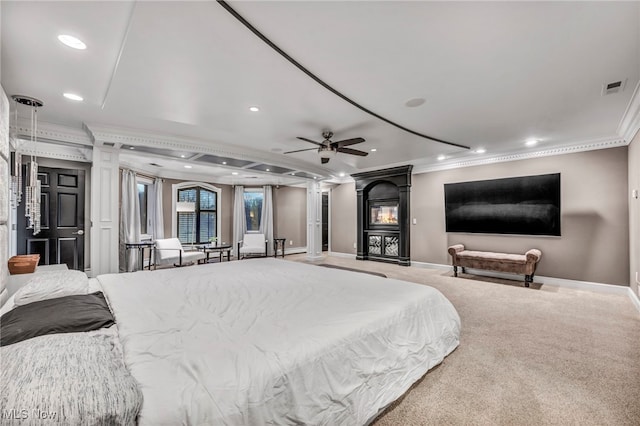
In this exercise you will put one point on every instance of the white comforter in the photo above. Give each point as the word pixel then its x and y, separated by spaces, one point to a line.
pixel 268 341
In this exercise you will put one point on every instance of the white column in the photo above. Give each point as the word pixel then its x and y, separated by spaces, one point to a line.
pixel 105 218
pixel 314 221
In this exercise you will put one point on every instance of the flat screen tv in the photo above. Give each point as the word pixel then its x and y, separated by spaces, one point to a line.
pixel 527 205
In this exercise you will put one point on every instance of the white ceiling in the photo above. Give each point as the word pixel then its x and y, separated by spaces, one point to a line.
pixel 493 75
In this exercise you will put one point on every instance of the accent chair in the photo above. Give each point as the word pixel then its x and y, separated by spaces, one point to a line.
pixel 252 245
pixel 170 251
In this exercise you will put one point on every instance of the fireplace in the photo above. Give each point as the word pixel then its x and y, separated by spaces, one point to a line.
pixel 383 215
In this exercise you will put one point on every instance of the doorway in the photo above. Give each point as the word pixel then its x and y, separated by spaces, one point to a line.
pixel 61 238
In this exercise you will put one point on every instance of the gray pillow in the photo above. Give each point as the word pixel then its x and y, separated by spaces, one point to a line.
pixel 60 315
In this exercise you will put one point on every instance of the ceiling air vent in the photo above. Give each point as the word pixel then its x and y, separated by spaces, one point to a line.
pixel 155 164
pixel 613 87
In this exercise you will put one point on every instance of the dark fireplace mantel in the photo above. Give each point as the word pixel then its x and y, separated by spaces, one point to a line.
pixel 384 238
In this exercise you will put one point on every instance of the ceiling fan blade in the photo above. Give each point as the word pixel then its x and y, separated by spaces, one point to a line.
pixel 353 151
pixel 309 140
pixel 324 160
pixel 300 150
pixel 347 142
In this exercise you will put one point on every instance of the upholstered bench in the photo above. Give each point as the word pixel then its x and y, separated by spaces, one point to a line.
pixel 524 264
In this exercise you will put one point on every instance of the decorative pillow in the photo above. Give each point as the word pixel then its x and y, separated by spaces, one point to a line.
pixel 60 315
pixel 48 285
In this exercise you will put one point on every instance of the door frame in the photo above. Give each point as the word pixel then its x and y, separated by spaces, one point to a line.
pixel 55 163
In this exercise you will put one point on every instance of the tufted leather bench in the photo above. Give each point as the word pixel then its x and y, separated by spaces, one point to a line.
pixel 524 264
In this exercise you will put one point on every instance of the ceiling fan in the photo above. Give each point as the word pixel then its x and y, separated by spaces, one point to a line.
pixel 327 149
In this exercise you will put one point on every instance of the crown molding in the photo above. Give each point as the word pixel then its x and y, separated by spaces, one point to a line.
pixel 117 137
pixel 630 123
pixel 50 150
pixel 204 177
pixel 591 145
pixel 52 132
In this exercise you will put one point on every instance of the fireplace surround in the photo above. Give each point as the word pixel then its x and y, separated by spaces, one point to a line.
pixel 383 202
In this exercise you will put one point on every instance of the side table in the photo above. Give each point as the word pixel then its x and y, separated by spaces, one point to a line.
pixel 141 246
pixel 278 243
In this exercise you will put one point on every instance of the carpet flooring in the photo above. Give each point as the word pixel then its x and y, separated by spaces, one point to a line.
pixel 543 355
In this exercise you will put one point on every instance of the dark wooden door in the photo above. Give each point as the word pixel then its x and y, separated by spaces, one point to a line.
pixel 61 238
pixel 325 221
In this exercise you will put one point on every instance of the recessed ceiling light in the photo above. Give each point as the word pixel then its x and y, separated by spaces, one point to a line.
pixel 73 97
pixel 315 177
pixel 341 174
pixel 373 149
pixel 293 174
pixel 254 109
pixel 441 157
pixel 72 41
pixel 132 147
pixel 415 102
pixel 234 173
pixel 531 142
pixel 224 162
pixel 188 166
pixel 480 151
pixel 182 156
pixel 268 170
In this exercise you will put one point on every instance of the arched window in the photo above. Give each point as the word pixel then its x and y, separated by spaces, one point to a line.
pixel 196 212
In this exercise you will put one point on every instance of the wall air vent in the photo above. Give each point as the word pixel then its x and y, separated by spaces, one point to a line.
pixel 613 87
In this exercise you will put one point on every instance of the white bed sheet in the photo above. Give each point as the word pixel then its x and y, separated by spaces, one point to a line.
pixel 267 341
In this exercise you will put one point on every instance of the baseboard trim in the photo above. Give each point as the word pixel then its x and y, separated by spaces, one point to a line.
pixel 295 250
pixel 428 265
pixel 338 254
pixel 634 299
pixel 550 281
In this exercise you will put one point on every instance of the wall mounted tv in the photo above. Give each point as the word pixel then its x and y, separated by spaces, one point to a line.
pixel 528 205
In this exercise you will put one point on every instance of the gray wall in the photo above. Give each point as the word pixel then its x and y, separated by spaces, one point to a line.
pixel 594 245
pixel 634 213
pixel 290 210
pixel 343 218
pixel 290 215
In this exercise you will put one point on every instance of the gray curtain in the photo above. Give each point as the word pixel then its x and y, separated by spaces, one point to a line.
pixel 239 225
pixel 129 220
pixel 155 201
pixel 266 223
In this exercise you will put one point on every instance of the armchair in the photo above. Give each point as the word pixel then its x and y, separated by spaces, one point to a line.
pixel 252 245
pixel 170 251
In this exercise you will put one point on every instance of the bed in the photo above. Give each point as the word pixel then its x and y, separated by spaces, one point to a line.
pixel 268 341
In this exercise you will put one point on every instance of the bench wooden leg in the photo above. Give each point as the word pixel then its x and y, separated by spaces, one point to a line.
pixel 464 270
pixel 455 271
pixel 528 279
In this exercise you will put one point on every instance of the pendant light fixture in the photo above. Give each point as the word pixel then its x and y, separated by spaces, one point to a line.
pixel 33 189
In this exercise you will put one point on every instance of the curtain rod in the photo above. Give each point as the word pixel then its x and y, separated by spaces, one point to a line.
pixel 143 174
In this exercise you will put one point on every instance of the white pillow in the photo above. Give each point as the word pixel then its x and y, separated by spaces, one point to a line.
pixel 8 305
pixel 52 284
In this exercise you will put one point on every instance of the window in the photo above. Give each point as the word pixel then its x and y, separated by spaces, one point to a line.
pixel 253 199
pixel 198 223
pixel 143 198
